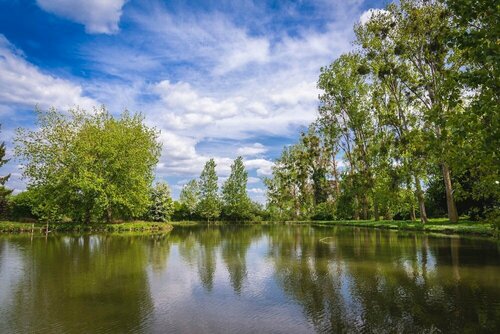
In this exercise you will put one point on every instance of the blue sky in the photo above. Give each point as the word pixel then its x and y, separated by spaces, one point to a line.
pixel 217 78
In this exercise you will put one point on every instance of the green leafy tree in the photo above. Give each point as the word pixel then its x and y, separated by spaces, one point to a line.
pixel 209 206
pixel 4 192
pixel 190 198
pixel 398 113
pixel 89 165
pixel 477 131
pixel 420 34
pixel 21 205
pixel 345 105
pixel 236 203
pixel 162 205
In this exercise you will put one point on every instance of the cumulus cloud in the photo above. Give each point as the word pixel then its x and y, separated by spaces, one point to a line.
pixel 263 166
pixel 181 97
pixel 22 83
pixel 257 191
pixel 255 149
pixel 98 16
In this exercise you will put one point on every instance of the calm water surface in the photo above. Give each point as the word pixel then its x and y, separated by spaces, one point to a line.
pixel 249 279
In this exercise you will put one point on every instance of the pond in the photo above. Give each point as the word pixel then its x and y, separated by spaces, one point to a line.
pixel 248 279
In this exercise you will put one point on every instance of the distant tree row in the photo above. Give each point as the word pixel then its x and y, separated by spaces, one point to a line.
pixel 201 199
pixel 409 122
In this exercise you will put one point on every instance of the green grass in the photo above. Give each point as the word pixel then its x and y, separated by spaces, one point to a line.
pixel 439 225
pixel 134 226
pixel 435 225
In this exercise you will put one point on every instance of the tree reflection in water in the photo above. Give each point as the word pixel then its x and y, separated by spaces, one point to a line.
pixel 250 279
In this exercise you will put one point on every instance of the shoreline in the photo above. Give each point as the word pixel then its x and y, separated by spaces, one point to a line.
pixel 435 225
pixel 463 228
pixel 443 226
pixel 7 227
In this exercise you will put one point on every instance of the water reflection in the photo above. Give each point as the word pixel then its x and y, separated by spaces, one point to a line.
pixel 247 279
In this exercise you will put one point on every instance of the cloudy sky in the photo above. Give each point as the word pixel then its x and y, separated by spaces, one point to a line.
pixel 218 78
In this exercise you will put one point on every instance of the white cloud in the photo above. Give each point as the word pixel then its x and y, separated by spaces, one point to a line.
pixel 98 16
pixel 22 83
pixel 255 149
pixel 182 98
pixel 257 190
pixel 298 93
pixel 370 13
pixel 252 180
pixel 248 50
pixel 263 166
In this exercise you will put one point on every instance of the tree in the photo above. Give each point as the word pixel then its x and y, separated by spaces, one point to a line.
pixel 190 197
pixel 21 206
pixel 475 34
pixel 209 206
pixel 236 203
pixel 400 120
pixel 89 166
pixel 162 205
pixel 345 105
pixel 420 34
pixel 4 192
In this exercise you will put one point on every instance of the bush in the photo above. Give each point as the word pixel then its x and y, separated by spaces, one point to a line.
pixel 324 211
pixel 20 206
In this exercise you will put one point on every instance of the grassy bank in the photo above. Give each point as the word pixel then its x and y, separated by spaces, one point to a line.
pixel 463 227
pixel 134 226
pixel 439 225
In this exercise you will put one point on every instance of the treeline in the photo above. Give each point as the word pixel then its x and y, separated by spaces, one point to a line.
pixel 202 200
pixel 93 167
pixel 408 123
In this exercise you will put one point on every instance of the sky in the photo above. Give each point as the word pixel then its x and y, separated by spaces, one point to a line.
pixel 218 78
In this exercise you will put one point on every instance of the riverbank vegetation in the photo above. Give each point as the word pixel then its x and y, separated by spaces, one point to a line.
pixel 408 122
pixel 38 227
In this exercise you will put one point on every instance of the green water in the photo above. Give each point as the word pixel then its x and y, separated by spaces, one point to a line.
pixel 249 279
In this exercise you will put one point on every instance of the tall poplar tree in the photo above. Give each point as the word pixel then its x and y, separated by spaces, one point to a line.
pixel 420 33
pixel 190 197
pixel 236 203
pixel 209 206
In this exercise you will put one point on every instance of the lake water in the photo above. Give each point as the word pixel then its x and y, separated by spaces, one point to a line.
pixel 249 279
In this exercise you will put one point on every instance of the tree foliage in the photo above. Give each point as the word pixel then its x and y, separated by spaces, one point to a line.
pixel 89 165
pixel 161 207
pixel 236 203
pixel 189 199
pixel 4 192
pixel 415 102
pixel 209 206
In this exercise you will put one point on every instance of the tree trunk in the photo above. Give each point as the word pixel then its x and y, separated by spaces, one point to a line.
pixel 450 202
pixel 365 207
pixel 87 216
pixel 109 215
pixel 413 216
pixel 356 208
pixel 375 209
pixel 336 178
pixel 421 201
